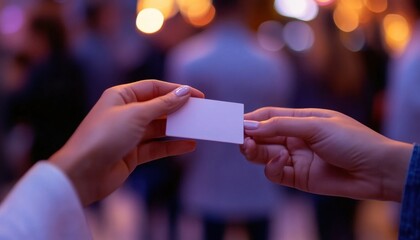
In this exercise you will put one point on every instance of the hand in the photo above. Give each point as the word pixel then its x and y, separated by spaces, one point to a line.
pixel 120 132
pixel 326 152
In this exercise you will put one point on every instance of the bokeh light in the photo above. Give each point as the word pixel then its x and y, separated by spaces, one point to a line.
pixel 11 19
pixel 199 16
pixel 305 10
pixel 397 32
pixel 270 35
pixel 376 6
pixel 198 9
pixel 355 5
pixel 166 7
pixel 185 4
pixel 149 20
pixel 346 17
pixel 353 41
pixel 197 12
pixel 298 36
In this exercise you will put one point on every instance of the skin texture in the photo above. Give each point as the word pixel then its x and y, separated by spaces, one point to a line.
pixel 326 152
pixel 124 129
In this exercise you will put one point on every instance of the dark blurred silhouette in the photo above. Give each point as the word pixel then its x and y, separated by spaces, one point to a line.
pixel 227 64
pixel 17 137
pixel 3 167
pixel 53 100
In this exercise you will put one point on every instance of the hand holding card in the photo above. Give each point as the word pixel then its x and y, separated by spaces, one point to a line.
pixel 206 119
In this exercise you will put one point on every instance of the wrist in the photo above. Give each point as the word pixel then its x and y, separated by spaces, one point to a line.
pixel 66 164
pixel 396 162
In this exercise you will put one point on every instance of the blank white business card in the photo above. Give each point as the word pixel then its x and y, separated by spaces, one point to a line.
pixel 206 119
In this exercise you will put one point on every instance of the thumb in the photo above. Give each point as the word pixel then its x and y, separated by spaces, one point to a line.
pixel 166 104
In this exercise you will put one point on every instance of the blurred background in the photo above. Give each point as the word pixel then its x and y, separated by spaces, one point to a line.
pixel 360 57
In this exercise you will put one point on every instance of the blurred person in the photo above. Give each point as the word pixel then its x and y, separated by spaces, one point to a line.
pixel 111 53
pixel 96 48
pixel 227 64
pixel 403 104
pixel 326 152
pixel 156 184
pixel 15 140
pixel 375 61
pixel 123 130
pixel 52 102
pixel 333 77
pixel 15 73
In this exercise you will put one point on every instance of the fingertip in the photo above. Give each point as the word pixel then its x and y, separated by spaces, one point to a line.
pixel 196 93
pixel 189 146
pixel 243 147
pixel 192 144
pixel 248 116
pixel 246 143
pixel 250 149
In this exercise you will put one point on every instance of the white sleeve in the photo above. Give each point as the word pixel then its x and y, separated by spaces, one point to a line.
pixel 43 205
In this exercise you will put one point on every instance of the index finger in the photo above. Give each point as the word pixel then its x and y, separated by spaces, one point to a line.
pixel 270 112
pixel 144 90
pixel 300 127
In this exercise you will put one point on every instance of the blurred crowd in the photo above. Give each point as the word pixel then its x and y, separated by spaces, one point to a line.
pixel 58 56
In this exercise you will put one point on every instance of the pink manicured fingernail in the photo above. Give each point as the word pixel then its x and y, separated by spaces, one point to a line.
pixel 251 125
pixel 182 91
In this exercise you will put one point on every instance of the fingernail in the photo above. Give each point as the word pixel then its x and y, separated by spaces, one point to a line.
pixel 182 91
pixel 251 125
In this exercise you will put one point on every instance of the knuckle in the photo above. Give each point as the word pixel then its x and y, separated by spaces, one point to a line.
pixel 111 90
pixel 124 93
